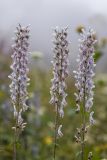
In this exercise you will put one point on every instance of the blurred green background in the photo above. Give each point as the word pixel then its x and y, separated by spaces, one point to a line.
pixel 36 141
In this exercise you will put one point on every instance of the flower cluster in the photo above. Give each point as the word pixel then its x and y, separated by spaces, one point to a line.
pixel 85 73
pixel 79 133
pixel 60 70
pixel 18 86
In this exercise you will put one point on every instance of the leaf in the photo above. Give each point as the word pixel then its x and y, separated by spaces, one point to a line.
pixel 98 55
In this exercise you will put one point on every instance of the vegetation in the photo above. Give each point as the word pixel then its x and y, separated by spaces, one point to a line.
pixel 36 141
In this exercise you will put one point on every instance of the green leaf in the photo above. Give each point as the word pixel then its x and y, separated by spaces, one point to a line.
pixel 98 55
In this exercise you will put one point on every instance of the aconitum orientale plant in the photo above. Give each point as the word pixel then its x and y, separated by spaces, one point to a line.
pixel 60 73
pixel 85 85
pixel 20 81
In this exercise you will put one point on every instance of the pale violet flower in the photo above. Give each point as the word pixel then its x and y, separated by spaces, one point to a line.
pixel 20 81
pixel 92 121
pixel 85 73
pixel 85 85
pixel 60 69
pixel 60 72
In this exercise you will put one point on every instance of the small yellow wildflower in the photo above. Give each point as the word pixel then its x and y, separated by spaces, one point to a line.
pixel 48 140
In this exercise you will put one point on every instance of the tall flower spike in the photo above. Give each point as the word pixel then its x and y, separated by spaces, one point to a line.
pixel 60 73
pixel 20 81
pixel 84 83
pixel 85 73
pixel 60 69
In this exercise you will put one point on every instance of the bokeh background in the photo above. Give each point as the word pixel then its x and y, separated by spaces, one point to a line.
pixel 36 142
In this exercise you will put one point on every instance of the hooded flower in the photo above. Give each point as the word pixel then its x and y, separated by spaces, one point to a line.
pixel 60 73
pixel 20 81
pixel 85 73
pixel 60 69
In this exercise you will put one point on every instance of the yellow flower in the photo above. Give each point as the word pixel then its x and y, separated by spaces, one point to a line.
pixel 48 140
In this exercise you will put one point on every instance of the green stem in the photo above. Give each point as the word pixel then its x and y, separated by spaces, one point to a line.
pixel 16 134
pixel 55 134
pixel 15 145
pixel 83 127
pixel 15 140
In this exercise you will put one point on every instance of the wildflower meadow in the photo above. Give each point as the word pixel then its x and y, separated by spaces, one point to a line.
pixel 58 113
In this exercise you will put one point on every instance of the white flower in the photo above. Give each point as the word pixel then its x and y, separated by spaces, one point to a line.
pixel 60 134
pixel 61 112
pixel 92 121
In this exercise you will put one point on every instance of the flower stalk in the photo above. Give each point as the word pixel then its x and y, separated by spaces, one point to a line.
pixel 84 84
pixel 20 81
pixel 60 73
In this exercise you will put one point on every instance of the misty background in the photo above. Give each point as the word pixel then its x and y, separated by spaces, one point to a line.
pixel 43 15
